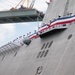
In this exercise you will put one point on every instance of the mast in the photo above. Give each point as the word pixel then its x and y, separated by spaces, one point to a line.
pixel 66 8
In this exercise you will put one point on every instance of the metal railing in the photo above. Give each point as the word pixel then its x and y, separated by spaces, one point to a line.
pixel 9 48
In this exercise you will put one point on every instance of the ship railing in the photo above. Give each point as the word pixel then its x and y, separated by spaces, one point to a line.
pixel 59 23
pixel 33 36
pixel 8 48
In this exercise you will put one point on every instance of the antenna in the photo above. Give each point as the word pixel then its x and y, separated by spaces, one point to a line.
pixel 38 23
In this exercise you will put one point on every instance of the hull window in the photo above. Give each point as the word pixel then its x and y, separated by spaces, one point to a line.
pixel 43 46
pixel 46 53
pixel 69 37
pixel 46 45
pixel 50 44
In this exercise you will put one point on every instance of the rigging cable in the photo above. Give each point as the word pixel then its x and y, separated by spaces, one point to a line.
pixel 32 4
pixel 11 2
pixel 1 5
pixel 27 3
pixel 6 4
pixel 3 8
pixel 18 4
pixel 23 2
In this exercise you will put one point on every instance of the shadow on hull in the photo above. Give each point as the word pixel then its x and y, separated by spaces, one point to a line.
pixel 53 32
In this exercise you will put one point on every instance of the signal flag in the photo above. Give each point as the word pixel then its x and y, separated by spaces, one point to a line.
pixel 50 0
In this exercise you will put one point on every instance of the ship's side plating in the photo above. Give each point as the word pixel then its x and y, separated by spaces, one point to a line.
pixel 50 55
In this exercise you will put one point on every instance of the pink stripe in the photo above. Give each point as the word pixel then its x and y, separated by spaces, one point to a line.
pixel 63 22
pixel 35 36
pixel 57 23
pixel 43 29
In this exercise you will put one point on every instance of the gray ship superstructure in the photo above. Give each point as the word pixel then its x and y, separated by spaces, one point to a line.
pixel 51 54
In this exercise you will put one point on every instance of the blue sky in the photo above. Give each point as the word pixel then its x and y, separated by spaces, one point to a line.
pixel 9 32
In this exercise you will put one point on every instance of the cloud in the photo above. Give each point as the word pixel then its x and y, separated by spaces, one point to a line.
pixel 41 5
pixel 6 30
pixel 8 4
pixel 1 36
pixel 24 24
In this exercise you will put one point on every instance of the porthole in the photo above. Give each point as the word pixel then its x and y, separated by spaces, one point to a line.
pixel 46 45
pixel 64 24
pixel 42 53
pixel 43 46
pixel 3 57
pixel 46 53
pixel 50 44
pixel 39 54
pixel 39 70
pixel 15 54
pixel 69 37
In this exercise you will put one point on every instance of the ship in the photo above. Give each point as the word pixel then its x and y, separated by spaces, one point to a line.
pixel 51 50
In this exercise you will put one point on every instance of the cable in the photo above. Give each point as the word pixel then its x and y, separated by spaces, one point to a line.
pixel 18 4
pixel 5 3
pixel 8 4
pixel 23 2
pixel 27 3
pixel 3 7
pixel 11 2
pixel 32 4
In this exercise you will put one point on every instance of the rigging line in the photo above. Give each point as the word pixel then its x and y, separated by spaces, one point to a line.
pixel 3 7
pixel 32 4
pixel 66 8
pixel 23 2
pixel 27 3
pixel 5 4
pixel 18 3
pixel 10 2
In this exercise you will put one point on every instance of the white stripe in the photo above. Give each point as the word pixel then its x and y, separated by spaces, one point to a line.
pixel 43 28
pixel 32 35
pixel 63 20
